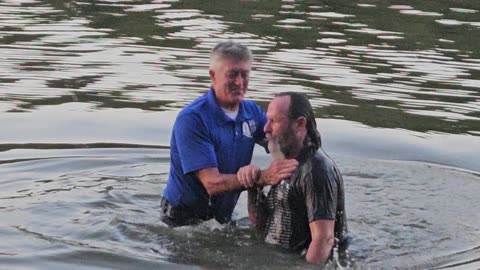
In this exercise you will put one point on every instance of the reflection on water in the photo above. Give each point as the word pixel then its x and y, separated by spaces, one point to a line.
pixel 416 64
pixel 89 90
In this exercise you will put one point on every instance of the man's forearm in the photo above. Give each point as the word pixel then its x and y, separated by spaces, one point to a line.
pixel 215 182
pixel 323 238
pixel 319 251
pixel 225 182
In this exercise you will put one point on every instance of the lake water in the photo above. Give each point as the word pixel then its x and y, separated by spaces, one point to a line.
pixel 89 91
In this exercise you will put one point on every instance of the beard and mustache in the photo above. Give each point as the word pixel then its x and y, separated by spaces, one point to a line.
pixel 282 145
pixel 275 149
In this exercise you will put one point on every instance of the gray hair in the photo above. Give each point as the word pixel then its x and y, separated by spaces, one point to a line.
pixel 229 50
pixel 300 106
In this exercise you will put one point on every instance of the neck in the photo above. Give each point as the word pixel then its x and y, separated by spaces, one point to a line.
pixel 229 106
pixel 295 153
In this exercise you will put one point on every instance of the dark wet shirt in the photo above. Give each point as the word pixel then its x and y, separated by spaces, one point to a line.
pixel 314 192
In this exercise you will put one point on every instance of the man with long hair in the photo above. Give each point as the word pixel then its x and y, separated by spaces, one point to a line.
pixel 305 212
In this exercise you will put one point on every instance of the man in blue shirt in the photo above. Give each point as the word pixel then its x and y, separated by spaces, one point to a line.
pixel 213 137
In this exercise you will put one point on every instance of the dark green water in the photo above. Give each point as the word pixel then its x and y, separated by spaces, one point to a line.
pixel 89 91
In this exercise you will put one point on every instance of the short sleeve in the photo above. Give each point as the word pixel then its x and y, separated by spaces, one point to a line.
pixel 195 147
pixel 320 191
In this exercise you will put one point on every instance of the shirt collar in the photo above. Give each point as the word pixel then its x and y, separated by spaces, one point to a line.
pixel 220 114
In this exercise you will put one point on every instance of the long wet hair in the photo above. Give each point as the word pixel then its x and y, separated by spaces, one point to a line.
pixel 229 50
pixel 300 106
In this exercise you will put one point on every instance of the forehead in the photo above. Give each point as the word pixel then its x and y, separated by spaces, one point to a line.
pixel 278 106
pixel 236 64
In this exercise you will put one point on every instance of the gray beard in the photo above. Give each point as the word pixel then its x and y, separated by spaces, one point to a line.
pixel 275 151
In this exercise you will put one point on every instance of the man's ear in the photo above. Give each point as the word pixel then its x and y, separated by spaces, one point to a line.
pixel 302 122
pixel 212 75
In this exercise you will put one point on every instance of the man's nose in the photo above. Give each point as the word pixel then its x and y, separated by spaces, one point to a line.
pixel 267 128
pixel 238 80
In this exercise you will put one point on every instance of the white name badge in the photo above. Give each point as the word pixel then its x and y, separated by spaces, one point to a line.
pixel 246 130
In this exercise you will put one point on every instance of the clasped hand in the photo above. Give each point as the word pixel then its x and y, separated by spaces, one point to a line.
pixel 278 170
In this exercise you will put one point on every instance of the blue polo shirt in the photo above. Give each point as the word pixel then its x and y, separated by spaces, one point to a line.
pixel 204 136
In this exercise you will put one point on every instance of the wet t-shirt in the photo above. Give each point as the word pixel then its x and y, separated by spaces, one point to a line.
pixel 315 191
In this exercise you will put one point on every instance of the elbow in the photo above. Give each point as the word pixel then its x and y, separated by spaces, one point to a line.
pixel 210 179
pixel 212 187
pixel 209 186
pixel 210 190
